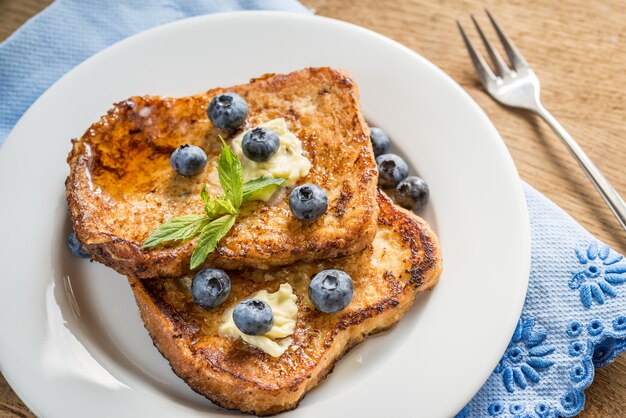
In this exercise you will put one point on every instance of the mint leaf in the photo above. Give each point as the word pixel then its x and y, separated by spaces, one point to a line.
pixel 214 207
pixel 177 229
pixel 230 172
pixel 210 208
pixel 204 195
pixel 262 184
pixel 224 206
pixel 210 204
pixel 209 237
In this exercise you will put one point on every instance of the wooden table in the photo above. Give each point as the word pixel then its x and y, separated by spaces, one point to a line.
pixel 576 48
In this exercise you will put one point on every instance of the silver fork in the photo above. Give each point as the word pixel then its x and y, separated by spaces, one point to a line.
pixel 519 87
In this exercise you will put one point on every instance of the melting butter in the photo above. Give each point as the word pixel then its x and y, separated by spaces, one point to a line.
pixel 289 161
pixel 278 339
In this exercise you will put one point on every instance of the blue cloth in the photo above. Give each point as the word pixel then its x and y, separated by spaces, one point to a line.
pixel 574 318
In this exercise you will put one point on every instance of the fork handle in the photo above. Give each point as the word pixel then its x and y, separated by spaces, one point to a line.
pixel 608 193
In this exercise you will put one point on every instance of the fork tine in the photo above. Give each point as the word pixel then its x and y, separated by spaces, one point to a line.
pixel 496 58
pixel 484 72
pixel 517 59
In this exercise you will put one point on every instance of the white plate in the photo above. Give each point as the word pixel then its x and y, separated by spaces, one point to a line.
pixel 71 341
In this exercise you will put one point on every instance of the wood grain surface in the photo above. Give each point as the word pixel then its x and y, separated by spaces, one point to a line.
pixel 577 49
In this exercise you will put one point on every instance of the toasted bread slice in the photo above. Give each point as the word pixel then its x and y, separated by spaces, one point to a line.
pixel 403 260
pixel 121 186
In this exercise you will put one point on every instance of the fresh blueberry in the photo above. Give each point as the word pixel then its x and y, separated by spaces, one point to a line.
pixel 380 141
pixel 412 193
pixel 308 202
pixel 331 290
pixel 76 247
pixel 228 111
pixel 210 287
pixel 392 169
pixel 188 160
pixel 260 144
pixel 253 317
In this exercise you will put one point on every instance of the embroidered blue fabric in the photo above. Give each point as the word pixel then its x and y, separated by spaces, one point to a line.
pixel 573 321
pixel 574 318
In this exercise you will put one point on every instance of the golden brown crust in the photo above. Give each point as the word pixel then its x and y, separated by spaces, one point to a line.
pixel 121 187
pixel 403 260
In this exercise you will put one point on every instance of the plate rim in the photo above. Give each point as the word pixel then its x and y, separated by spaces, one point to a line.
pixel 524 229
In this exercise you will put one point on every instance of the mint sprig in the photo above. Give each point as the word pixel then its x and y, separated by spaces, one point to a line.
pixel 220 212
pixel 230 172
pixel 209 237
pixel 177 229
pixel 253 188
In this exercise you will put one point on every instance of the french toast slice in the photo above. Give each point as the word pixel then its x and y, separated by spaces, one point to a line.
pixel 403 260
pixel 121 186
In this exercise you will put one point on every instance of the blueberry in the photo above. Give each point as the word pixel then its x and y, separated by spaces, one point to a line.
pixel 228 111
pixel 210 287
pixel 331 290
pixel 412 193
pixel 380 141
pixel 308 202
pixel 76 247
pixel 188 160
pixel 253 317
pixel 392 169
pixel 260 144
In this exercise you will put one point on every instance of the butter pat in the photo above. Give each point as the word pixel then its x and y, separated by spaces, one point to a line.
pixel 276 341
pixel 289 161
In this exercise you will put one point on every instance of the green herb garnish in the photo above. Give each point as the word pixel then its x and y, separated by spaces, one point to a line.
pixel 220 213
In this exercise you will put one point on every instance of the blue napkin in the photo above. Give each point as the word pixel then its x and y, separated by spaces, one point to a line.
pixel 574 318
